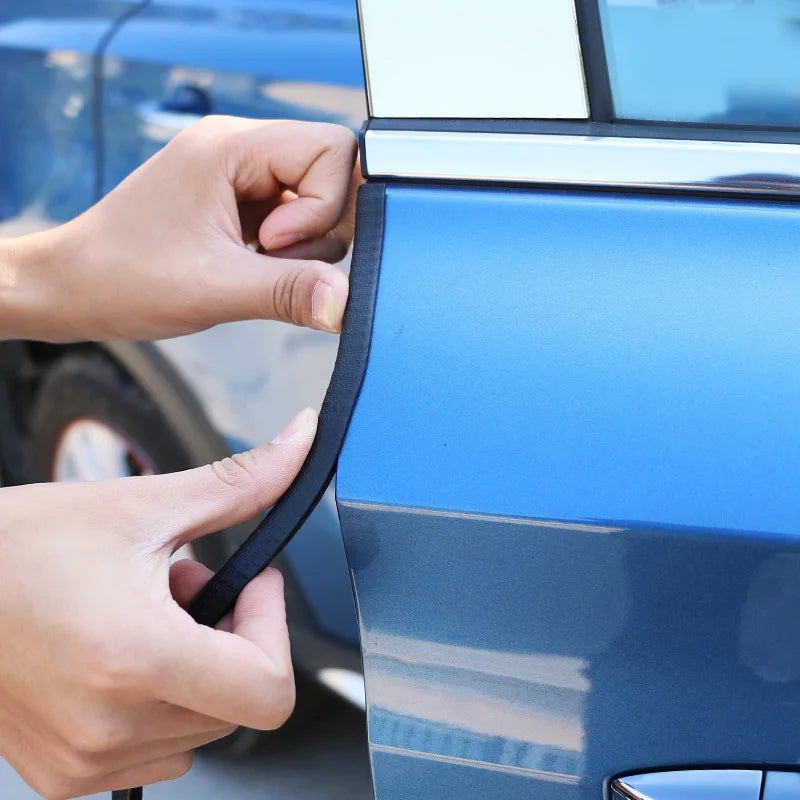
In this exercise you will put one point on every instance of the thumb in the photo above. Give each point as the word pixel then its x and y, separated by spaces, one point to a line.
pixel 303 292
pixel 210 498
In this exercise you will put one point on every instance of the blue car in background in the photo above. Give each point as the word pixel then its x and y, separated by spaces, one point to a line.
pixel 89 90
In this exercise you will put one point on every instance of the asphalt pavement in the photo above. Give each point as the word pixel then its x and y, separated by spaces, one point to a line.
pixel 325 760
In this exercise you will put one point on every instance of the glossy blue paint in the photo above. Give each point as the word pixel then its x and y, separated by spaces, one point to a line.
pixel 530 659
pixel 320 568
pixel 585 357
pixel 699 784
pixel 568 491
pixel 782 786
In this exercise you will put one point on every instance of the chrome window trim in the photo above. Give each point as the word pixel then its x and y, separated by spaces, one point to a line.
pixel 586 161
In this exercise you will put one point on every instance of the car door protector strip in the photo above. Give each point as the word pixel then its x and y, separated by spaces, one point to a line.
pixel 285 518
pixel 290 512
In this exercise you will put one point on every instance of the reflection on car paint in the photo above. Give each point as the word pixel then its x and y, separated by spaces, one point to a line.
pixel 574 559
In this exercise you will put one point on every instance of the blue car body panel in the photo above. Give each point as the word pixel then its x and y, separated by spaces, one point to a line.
pixel 568 490
pixel 596 357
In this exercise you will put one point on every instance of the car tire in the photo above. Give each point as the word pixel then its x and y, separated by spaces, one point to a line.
pixel 87 387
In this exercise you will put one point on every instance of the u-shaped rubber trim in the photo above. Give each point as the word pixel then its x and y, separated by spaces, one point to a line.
pixel 286 517
pixel 291 511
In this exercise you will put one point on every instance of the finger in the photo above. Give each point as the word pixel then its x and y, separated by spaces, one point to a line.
pixel 127 757
pixel 251 214
pixel 135 729
pixel 244 677
pixel 302 292
pixel 186 505
pixel 260 615
pixel 333 245
pixel 162 721
pixel 154 751
pixel 186 579
pixel 174 745
pixel 164 769
pixel 331 248
pixel 315 161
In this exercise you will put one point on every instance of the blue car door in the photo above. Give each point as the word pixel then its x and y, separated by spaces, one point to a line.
pixel 569 488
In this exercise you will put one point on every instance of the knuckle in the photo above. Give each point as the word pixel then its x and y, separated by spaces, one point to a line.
pixel 107 675
pixel 287 300
pixel 93 738
pixel 235 471
pixel 340 136
pixel 202 139
pixel 115 667
pixel 210 126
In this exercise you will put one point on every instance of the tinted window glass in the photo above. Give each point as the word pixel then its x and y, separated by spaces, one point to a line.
pixel 715 61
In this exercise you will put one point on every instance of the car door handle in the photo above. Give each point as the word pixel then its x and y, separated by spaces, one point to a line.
pixel 186 98
pixel 691 784
pixel 184 105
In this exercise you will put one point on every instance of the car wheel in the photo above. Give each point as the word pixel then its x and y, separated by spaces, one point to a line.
pixel 91 421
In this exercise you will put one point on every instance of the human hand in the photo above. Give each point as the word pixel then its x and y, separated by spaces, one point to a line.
pixel 105 681
pixel 165 253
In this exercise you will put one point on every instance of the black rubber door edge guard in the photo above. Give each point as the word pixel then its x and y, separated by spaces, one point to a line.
pixel 284 519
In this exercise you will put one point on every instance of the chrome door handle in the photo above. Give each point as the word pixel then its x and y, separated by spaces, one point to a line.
pixel 181 108
pixel 690 784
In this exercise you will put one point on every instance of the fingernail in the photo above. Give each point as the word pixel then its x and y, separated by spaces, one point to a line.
pixel 303 425
pixel 323 310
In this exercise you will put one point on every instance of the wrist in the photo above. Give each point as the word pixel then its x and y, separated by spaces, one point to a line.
pixel 27 304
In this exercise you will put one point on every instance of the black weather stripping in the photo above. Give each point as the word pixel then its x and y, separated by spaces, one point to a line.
pixel 286 517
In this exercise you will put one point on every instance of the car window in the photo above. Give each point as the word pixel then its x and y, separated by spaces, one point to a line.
pixel 704 61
